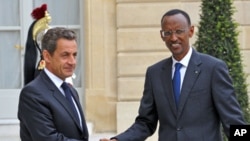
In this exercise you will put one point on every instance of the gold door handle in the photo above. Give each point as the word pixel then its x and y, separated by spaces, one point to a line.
pixel 19 47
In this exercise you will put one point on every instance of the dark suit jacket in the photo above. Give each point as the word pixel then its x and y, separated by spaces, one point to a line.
pixel 207 99
pixel 45 115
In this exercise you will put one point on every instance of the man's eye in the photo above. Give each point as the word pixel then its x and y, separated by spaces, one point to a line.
pixel 179 31
pixel 167 33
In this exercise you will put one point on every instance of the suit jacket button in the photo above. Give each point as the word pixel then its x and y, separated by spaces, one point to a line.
pixel 178 129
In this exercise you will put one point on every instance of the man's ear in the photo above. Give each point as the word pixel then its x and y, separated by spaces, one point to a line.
pixel 191 31
pixel 46 56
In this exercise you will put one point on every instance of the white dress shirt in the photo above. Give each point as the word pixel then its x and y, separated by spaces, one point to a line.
pixel 184 63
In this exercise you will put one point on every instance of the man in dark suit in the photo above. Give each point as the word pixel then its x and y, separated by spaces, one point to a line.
pixel 206 97
pixel 43 111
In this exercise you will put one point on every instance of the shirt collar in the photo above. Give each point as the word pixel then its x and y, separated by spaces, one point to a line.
pixel 184 61
pixel 56 80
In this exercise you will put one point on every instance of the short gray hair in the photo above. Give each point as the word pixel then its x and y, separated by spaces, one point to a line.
pixel 50 38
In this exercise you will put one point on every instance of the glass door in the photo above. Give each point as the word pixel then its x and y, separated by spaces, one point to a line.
pixel 12 32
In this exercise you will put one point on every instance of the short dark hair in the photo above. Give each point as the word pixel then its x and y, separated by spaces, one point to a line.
pixel 50 38
pixel 177 11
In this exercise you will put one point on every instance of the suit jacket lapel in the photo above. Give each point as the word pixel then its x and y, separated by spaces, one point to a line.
pixel 167 84
pixel 59 97
pixel 192 73
pixel 63 101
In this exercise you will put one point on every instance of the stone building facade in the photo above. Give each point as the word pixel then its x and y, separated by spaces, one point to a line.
pixel 122 39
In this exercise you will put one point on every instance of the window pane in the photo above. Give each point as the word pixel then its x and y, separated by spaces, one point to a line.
pixel 9 9
pixel 65 12
pixel 10 62
pixel 78 70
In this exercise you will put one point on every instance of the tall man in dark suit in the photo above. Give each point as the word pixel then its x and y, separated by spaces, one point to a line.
pixel 206 97
pixel 43 111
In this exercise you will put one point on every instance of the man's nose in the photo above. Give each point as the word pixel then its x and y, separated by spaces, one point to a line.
pixel 72 59
pixel 173 36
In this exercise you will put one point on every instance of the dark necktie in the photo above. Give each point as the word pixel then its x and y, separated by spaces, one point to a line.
pixel 177 82
pixel 68 95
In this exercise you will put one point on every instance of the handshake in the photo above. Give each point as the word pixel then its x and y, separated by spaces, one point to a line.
pixel 104 139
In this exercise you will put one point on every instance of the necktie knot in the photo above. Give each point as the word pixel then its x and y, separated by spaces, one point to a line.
pixel 65 86
pixel 178 66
